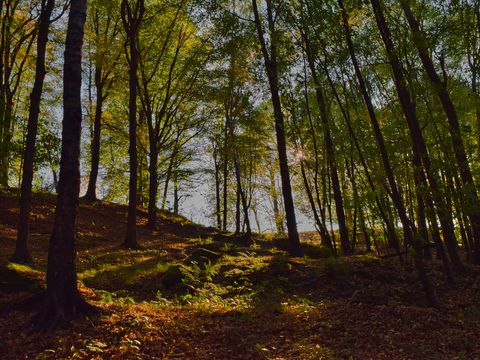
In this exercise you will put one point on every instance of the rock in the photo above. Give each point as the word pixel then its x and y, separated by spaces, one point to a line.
pixel 173 276
pixel 202 256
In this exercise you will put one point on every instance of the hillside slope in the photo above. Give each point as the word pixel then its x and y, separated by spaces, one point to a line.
pixel 196 293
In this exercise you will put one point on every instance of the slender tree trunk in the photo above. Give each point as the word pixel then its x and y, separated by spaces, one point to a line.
pixel 337 193
pixel 440 88
pixel 217 190
pixel 322 229
pixel 5 141
pixel 176 198
pixel 363 227
pixel 241 197
pixel 22 253
pixel 166 187
pixel 462 221
pixel 276 207
pixel 270 60
pixel 91 194
pixel 132 18
pixel 64 301
pixel 225 178
pixel 414 127
pixel 238 221
pixel 153 184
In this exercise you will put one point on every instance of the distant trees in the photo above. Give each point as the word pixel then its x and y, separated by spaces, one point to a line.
pixel 17 35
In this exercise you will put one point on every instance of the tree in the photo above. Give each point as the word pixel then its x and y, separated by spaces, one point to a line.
pixel 270 61
pixel 132 17
pixel 22 254
pixel 63 299
pixel 321 102
pixel 418 144
pixel 440 88
pixel 16 40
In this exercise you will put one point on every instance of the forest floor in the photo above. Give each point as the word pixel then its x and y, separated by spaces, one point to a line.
pixel 196 293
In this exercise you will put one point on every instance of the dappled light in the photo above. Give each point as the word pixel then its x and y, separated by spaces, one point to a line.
pixel 222 179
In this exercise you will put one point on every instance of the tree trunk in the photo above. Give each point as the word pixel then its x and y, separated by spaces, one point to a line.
pixel 440 88
pixel 217 189
pixel 176 198
pixel 153 184
pixel 238 221
pixel 63 300
pixel 243 198
pixel 322 229
pixel 277 214
pixel 415 131
pixel 22 253
pixel 225 178
pixel 270 60
pixel 337 193
pixel 131 18
pixel 91 194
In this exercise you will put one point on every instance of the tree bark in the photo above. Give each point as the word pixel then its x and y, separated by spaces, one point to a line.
pixel 337 193
pixel 91 194
pixel 131 18
pixel 22 253
pixel 270 60
pixel 225 177
pixel 63 300
pixel 153 185
pixel 415 131
pixel 217 189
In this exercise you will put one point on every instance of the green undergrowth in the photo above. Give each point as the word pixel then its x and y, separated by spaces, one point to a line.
pixel 213 274
pixel 220 274
pixel 20 278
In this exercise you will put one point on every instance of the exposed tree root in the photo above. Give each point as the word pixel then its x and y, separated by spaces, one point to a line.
pixel 53 315
pixel 49 315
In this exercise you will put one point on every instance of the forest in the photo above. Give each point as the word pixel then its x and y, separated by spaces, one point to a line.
pixel 224 179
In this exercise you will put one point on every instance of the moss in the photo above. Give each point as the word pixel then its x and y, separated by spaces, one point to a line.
pixel 18 278
pixel 115 276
